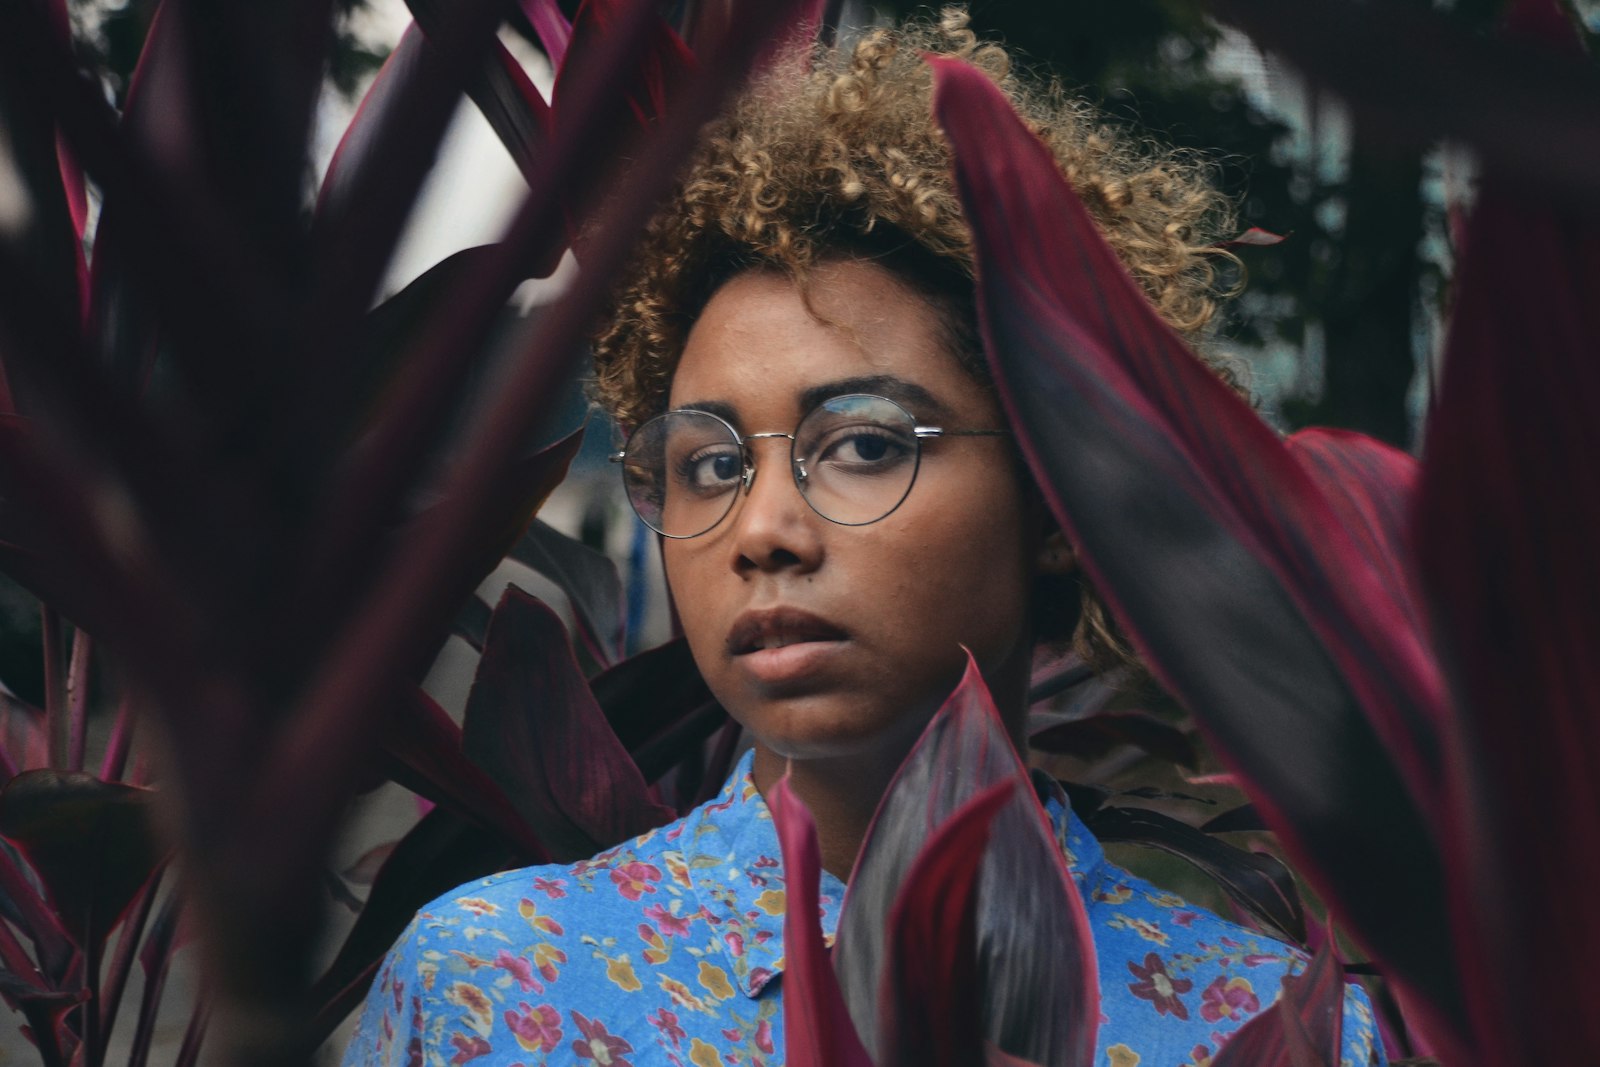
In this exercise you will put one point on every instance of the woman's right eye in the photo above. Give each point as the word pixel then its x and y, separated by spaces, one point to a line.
pixel 711 469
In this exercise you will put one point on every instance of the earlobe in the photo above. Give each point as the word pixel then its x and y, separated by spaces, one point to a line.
pixel 1056 555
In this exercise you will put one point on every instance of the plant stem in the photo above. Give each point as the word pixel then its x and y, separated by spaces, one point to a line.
pixel 55 711
pixel 110 998
pixel 116 760
pixel 78 697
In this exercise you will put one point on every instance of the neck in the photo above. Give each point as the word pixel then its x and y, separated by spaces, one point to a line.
pixel 841 794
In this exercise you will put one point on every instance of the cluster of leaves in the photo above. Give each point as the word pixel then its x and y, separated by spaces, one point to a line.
pixel 1389 655
pixel 253 507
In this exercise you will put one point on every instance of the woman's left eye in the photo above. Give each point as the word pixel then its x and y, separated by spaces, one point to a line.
pixel 863 447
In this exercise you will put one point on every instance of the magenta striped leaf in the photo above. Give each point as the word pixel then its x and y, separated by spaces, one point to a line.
pixel 1037 962
pixel 1507 528
pixel 1232 571
pixel 932 1011
pixel 818 1031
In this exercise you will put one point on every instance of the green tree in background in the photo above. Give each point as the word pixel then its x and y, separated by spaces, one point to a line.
pixel 1353 269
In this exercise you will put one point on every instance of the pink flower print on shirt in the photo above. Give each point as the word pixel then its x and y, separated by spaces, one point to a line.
pixel 669 924
pixel 598 1045
pixel 468 1048
pixel 667 1022
pixel 536 1029
pixel 1159 987
pixel 1228 998
pixel 735 943
pixel 764 1036
pixel 554 888
pixel 634 880
pixel 520 969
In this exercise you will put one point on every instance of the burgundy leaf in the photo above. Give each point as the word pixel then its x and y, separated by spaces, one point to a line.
pixel 1255 881
pixel 1255 236
pixel 534 726
pixel 1371 486
pixel 631 103
pixel 554 31
pixel 90 842
pixel 1098 734
pixel 1303 1029
pixel 1037 958
pixel 655 687
pixel 396 625
pixel 931 1007
pixel 589 579
pixel 425 746
pixel 1237 581
pixel 1507 525
pixel 817 1027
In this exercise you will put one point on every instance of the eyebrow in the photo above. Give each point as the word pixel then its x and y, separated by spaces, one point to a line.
pixel 923 404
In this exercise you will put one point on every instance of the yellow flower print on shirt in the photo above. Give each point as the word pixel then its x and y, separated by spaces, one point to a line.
pixel 772 902
pixel 715 980
pixel 1143 927
pixel 703 1055
pixel 1122 1056
pixel 620 971
pixel 480 1013
pixel 683 997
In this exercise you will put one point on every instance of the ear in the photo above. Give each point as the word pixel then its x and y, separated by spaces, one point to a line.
pixel 1056 555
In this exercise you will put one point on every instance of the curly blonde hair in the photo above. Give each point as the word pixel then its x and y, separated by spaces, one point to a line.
pixel 837 155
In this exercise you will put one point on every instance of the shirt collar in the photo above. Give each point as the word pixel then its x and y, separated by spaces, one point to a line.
pixel 738 875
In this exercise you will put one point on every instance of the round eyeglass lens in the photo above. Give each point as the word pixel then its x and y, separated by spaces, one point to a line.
pixel 855 458
pixel 682 471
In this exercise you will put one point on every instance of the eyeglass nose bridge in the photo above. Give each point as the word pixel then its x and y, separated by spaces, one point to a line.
pixel 748 478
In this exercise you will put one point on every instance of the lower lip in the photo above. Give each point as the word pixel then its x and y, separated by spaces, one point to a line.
pixel 773 666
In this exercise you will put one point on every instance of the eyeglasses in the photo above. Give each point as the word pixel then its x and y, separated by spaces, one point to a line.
pixel 853 458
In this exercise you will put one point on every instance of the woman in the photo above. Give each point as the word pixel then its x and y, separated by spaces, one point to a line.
pixel 842 513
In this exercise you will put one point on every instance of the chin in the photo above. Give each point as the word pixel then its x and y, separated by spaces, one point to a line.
pixel 815 728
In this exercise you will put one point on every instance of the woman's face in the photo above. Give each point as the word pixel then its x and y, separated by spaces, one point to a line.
pixel 830 641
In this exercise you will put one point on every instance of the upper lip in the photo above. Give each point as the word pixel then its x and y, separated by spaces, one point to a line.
pixel 776 627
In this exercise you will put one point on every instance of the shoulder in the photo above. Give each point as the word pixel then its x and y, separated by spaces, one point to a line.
pixel 1177 980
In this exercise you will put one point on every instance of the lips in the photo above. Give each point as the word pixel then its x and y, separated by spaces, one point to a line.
pixel 776 628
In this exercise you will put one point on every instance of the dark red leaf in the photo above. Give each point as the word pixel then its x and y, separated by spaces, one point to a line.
pixel 419 592
pixel 1255 236
pixel 425 747
pixel 589 579
pixel 554 31
pixel 931 1014
pixel 645 692
pixel 1233 573
pixel 1037 957
pixel 817 1027
pixel 534 726
pixel 1507 528
pixel 1303 1029
pixel 90 842
pixel 1371 486
pixel 1099 733
pixel 1255 881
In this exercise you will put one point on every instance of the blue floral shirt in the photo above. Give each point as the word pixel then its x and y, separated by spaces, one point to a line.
pixel 668 949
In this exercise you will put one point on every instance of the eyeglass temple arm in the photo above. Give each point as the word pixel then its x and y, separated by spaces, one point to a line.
pixel 940 431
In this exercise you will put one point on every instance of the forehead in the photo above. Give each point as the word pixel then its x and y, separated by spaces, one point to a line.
pixel 763 349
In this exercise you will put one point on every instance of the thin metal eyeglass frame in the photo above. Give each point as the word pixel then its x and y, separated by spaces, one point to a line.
pixel 797 472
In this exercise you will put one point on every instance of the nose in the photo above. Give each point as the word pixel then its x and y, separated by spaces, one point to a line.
pixel 773 528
